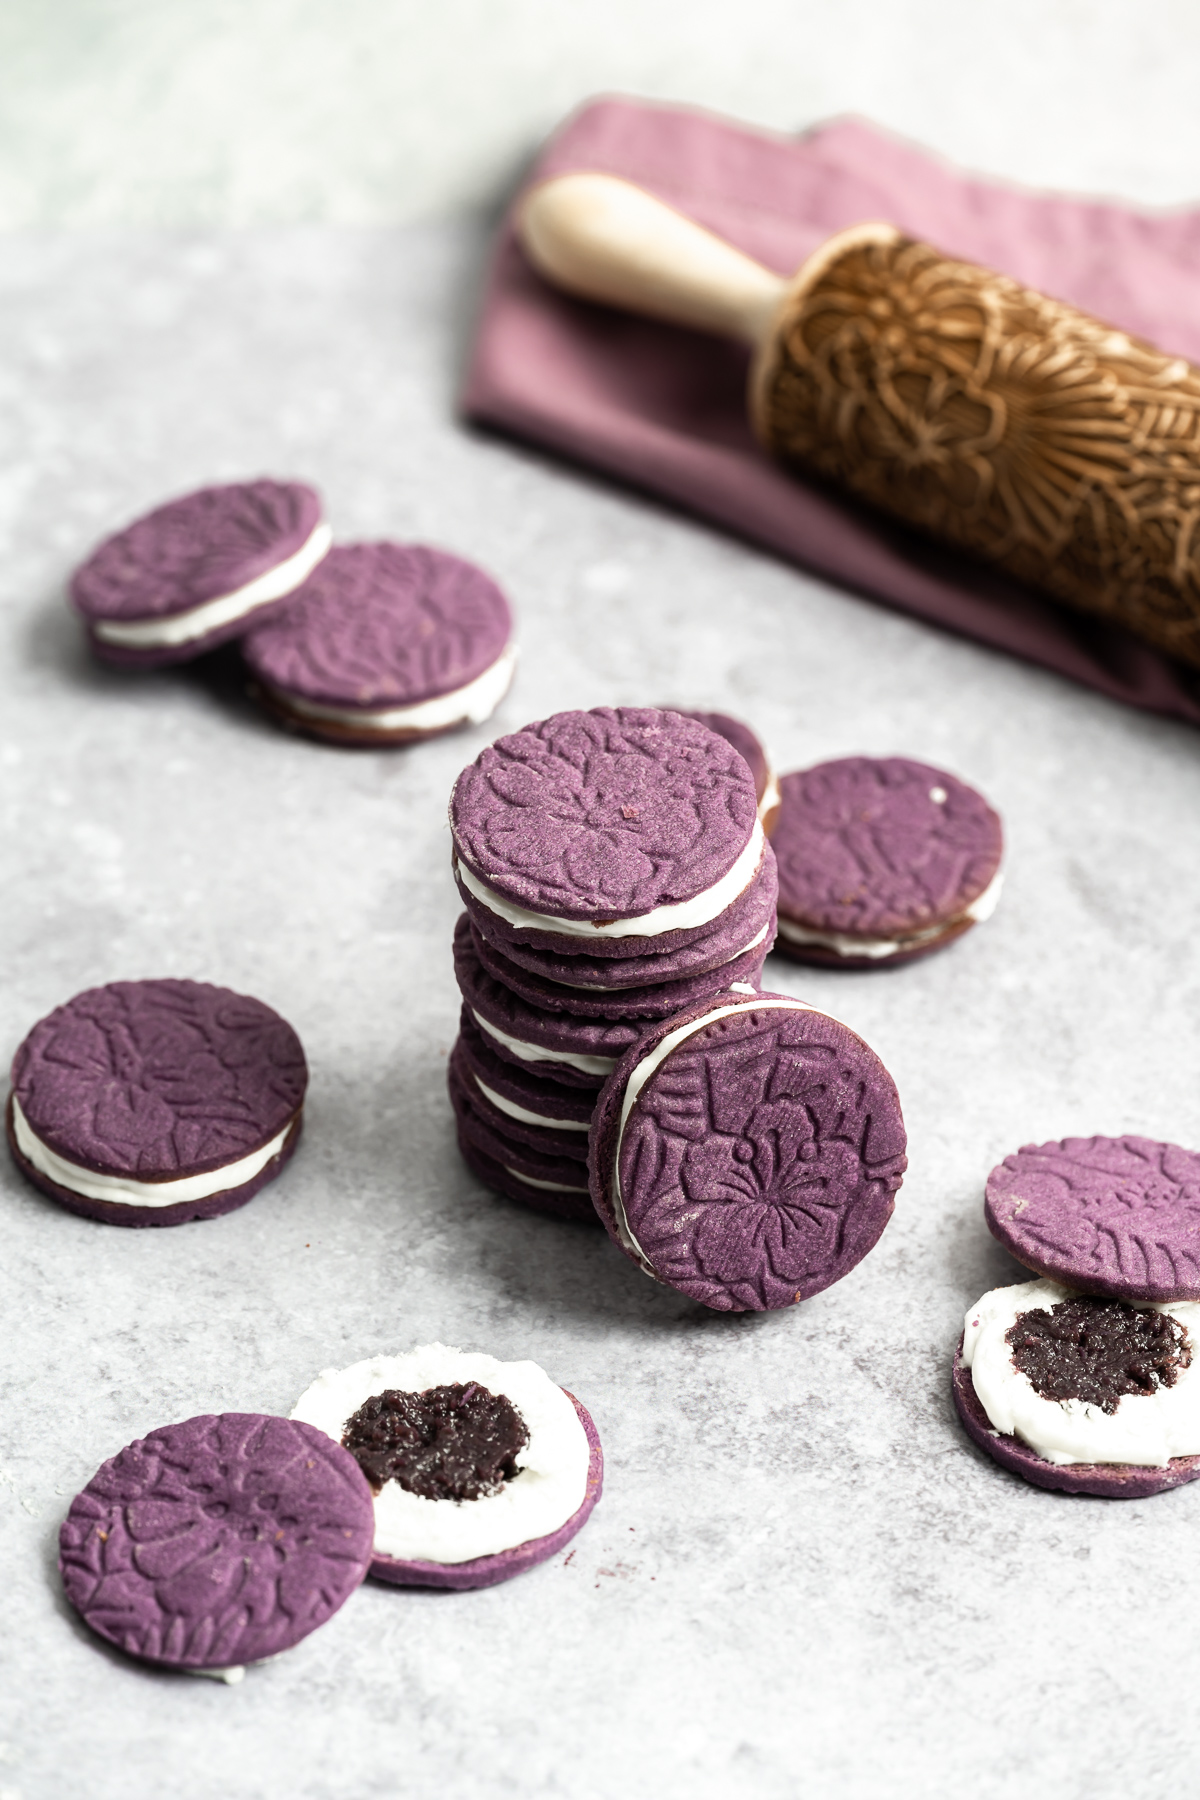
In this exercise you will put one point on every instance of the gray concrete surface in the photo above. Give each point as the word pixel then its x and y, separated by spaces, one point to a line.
pixel 802 1579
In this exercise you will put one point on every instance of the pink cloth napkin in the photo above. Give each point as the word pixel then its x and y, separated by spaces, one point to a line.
pixel 664 408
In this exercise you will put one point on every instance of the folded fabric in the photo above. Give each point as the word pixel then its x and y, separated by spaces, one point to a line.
pixel 664 409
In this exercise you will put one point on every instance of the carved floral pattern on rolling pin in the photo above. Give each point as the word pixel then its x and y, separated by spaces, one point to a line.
pixel 960 402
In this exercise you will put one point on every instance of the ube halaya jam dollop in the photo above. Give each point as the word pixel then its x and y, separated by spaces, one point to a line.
pixel 458 1442
pixel 1097 1350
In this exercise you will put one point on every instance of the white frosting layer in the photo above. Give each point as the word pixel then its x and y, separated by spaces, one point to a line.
pixel 551 1187
pixel 549 1487
pixel 123 1190
pixel 185 627
pixel 469 705
pixel 587 1065
pixel 980 909
pixel 680 915
pixel 641 1075
pixel 1146 1429
pixel 523 1114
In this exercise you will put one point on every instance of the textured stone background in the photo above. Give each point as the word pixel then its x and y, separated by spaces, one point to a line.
pixel 802 1578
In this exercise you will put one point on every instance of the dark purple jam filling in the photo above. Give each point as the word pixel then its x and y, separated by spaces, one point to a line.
pixel 449 1443
pixel 1098 1350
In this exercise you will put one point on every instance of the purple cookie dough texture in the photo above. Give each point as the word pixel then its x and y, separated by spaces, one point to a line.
pixel 486 1571
pixel 1114 1216
pixel 219 1541
pixel 618 1005
pixel 866 848
pixel 760 1160
pixel 574 1209
pixel 526 1086
pixel 554 1182
pixel 1111 1481
pixel 743 740
pixel 604 815
pixel 613 963
pixel 155 1081
pixel 191 550
pixel 380 626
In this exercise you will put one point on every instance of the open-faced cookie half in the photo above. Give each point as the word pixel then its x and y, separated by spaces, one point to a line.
pixel 481 1469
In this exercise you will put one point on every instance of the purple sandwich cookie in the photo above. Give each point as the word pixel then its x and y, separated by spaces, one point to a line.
pixel 565 1204
pixel 523 1097
pixel 385 644
pixel 1116 1216
pixel 193 573
pixel 1081 1393
pixel 747 1152
pixel 550 1179
pixel 218 1542
pixel 522 1118
pixel 746 926
pixel 755 757
pixel 480 1469
pixel 882 860
pixel 742 973
pixel 618 831
pixel 155 1102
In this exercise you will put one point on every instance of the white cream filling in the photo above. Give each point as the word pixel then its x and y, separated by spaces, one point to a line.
pixel 641 1076
pixel 522 1113
pixel 123 1190
pixel 552 1187
pixel 183 627
pixel 587 1065
pixel 980 909
pixel 549 1487
pixel 680 915
pixel 469 705
pixel 1145 1429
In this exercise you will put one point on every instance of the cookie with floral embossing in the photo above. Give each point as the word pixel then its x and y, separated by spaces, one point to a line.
pixel 735 732
pixel 551 1179
pixel 747 1152
pixel 194 573
pixel 218 1542
pixel 156 1102
pixel 1112 1216
pixel 623 834
pixel 385 644
pixel 481 1469
pixel 882 860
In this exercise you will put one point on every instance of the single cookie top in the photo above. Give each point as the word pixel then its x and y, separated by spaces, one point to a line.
pixel 195 549
pixel 158 1078
pixel 488 1502
pixel 381 625
pixel 878 846
pixel 219 1541
pixel 1117 1216
pixel 607 815
pixel 748 1151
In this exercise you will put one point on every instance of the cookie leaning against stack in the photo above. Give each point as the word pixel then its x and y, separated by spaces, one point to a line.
pixel 613 870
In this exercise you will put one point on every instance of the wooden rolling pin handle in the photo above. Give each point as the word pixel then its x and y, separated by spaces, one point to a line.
pixel 604 239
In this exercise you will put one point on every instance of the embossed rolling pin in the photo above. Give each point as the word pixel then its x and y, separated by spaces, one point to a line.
pixel 987 415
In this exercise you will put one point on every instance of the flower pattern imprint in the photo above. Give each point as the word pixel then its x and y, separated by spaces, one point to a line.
pixel 218 1541
pixel 150 1077
pixel 195 549
pixel 1016 426
pixel 761 1159
pixel 607 813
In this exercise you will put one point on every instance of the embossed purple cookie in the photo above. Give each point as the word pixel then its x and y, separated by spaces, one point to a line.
pixel 191 574
pixel 1110 1481
pixel 615 1005
pixel 542 1113
pixel 755 758
pixel 1114 1216
pixel 881 860
pixel 622 831
pixel 747 1152
pixel 218 1542
pixel 154 1102
pixel 385 644
pixel 549 1183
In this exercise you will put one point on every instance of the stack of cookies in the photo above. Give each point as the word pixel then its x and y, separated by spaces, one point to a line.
pixel 614 871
